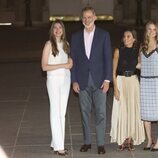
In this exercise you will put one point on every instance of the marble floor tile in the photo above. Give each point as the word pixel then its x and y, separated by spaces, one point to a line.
pixel 24 105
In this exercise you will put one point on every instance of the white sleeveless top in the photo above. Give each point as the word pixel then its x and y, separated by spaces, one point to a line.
pixel 60 58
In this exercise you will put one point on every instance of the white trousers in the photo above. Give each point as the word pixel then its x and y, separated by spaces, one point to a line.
pixel 58 87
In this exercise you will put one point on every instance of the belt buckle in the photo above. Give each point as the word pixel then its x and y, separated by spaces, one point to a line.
pixel 127 73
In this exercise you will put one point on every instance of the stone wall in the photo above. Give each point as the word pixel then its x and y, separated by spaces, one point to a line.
pixel 14 11
pixel 124 11
pixel 154 10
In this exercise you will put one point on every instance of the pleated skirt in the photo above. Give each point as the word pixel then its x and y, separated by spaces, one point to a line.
pixel 126 121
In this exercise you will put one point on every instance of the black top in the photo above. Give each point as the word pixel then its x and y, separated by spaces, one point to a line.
pixel 128 59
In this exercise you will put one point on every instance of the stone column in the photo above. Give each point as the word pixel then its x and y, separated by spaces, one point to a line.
pixel 155 2
pixel 125 9
pixel 139 18
pixel 10 4
pixel 154 10
pixel 45 12
pixel 118 13
pixel 28 22
pixel 37 10
pixel 3 4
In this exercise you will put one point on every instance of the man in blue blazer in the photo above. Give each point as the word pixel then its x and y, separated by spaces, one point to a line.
pixel 91 75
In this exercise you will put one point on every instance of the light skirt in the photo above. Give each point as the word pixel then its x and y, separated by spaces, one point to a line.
pixel 126 121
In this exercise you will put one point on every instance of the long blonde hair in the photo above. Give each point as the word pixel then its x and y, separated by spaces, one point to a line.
pixel 52 39
pixel 146 38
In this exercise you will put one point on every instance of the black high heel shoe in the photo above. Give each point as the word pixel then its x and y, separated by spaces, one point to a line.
pixel 154 149
pixel 150 147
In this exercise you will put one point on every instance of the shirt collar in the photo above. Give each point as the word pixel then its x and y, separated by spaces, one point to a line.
pixel 92 32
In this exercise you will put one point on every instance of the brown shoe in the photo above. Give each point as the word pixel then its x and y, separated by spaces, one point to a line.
pixel 101 150
pixel 85 147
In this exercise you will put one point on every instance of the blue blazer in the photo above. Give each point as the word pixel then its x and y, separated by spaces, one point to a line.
pixel 100 62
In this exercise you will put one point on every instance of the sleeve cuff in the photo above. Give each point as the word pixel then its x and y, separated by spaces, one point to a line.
pixel 107 81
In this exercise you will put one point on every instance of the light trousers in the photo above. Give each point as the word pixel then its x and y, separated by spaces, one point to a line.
pixel 58 87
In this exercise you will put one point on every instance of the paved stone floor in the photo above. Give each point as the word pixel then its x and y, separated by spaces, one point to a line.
pixel 24 105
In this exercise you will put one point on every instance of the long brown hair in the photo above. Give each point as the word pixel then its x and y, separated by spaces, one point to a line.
pixel 52 39
pixel 146 38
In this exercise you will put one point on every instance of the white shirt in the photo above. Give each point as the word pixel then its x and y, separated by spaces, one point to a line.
pixel 88 39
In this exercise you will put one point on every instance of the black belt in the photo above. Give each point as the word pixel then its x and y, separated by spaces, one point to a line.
pixel 149 76
pixel 126 73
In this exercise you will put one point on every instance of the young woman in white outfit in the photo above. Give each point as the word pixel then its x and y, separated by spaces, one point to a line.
pixel 56 61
